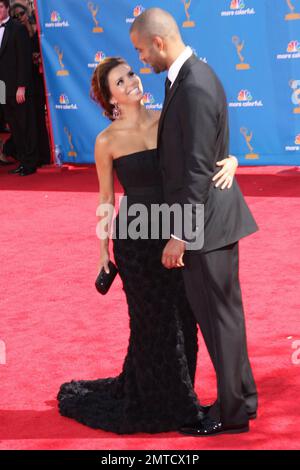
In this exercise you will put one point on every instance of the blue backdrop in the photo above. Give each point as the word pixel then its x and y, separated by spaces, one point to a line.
pixel 253 45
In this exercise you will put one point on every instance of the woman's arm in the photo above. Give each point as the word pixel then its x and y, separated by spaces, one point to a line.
pixel 105 209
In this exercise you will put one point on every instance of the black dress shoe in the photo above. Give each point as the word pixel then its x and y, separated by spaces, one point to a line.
pixel 27 171
pixel 209 427
pixel 17 170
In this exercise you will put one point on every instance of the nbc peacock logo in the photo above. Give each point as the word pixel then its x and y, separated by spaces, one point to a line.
pixel 98 58
pixel 292 51
pixel 148 98
pixel 245 100
pixel 293 46
pixel 149 102
pixel 238 8
pixel 64 103
pixel 296 145
pixel 55 17
pixel 244 95
pixel 56 21
pixel 237 5
pixel 138 9
pixel 63 99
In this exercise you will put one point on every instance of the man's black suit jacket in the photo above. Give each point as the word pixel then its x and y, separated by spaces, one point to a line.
pixel 16 58
pixel 193 135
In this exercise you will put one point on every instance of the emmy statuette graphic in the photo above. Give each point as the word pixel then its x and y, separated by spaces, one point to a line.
pixel 72 152
pixel 239 47
pixel 62 72
pixel 146 69
pixel 95 10
pixel 188 23
pixel 292 15
pixel 248 137
pixel 295 86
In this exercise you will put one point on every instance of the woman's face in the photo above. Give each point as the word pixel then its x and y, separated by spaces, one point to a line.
pixel 20 15
pixel 125 86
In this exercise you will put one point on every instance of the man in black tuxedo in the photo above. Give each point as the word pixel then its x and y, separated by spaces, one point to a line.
pixel 15 72
pixel 192 136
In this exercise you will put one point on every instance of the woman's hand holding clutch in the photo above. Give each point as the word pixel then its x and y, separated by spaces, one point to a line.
pixel 107 271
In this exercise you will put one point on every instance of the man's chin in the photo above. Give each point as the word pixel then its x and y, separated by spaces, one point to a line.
pixel 157 70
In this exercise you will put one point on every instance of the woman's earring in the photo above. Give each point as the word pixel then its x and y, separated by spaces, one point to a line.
pixel 116 111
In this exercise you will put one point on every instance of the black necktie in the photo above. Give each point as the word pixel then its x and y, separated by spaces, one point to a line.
pixel 167 86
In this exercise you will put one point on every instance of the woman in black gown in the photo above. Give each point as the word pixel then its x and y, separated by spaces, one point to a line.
pixel 154 391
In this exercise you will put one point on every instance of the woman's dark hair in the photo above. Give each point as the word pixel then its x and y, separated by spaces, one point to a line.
pixel 5 3
pixel 100 91
pixel 18 5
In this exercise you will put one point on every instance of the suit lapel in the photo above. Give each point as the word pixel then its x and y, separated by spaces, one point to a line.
pixel 5 36
pixel 167 101
pixel 182 73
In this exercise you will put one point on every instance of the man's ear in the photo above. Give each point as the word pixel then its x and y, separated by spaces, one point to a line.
pixel 158 43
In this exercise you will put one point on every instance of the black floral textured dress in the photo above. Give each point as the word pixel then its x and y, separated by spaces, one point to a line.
pixel 154 392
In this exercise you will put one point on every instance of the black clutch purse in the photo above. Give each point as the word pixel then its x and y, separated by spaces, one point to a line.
pixel 104 280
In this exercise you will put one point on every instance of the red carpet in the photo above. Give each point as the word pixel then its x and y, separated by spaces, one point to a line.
pixel 56 327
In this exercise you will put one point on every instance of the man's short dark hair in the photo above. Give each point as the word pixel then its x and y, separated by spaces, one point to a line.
pixel 5 3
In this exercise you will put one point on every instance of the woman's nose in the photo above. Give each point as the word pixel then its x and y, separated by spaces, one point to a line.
pixel 132 80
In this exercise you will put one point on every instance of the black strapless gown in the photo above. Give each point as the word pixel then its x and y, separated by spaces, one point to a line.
pixel 154 392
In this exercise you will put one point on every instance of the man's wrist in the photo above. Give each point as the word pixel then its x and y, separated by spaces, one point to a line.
pixel 177 238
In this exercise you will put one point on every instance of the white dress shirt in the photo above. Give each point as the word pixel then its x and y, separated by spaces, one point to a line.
pixel 2 30
pixel 176 66
pixel 172 75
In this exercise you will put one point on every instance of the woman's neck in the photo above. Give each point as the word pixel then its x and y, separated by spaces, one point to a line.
pixel 134 116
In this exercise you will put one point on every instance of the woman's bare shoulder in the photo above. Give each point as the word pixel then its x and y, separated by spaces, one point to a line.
pixel 103 144
pixel 107 137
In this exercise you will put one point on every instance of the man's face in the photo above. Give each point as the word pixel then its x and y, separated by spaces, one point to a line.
pixel 3 11
pixel 149 51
